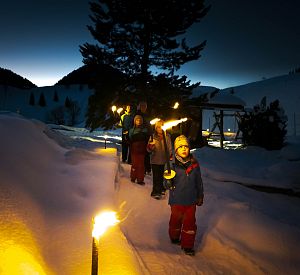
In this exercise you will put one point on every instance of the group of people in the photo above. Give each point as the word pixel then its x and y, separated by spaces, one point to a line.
pixel 150 149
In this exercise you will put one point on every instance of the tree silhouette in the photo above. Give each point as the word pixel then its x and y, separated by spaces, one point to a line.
pixel 42 100
pixel 31 99
pixel 134 35
pixel 67 102
pixel 55 96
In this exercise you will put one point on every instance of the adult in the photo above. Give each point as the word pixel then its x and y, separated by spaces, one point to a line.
pixel 126 123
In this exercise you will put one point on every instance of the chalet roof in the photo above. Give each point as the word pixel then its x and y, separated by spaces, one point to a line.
pixel 222 101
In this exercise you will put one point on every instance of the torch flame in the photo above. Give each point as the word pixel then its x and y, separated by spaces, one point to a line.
pixel 176 105
pixel 171 123
pixel 103 221
pixel 153 121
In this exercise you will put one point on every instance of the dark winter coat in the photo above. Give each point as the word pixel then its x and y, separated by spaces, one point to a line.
pixel 126 121
pixel 188 185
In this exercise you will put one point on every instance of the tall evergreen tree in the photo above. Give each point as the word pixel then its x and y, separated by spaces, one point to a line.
pixel 31 99
pixel 55 96
pixel 42 100
pixel 67 102
pixel 134 35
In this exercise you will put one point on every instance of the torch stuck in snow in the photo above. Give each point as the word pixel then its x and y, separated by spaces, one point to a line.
pixel 101 223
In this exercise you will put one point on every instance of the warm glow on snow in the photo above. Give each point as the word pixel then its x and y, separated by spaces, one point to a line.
pixel 16 259
pixel 103 221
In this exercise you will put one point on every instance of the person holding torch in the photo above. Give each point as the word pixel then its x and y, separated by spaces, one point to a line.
pixel 186 192
pixel 158 158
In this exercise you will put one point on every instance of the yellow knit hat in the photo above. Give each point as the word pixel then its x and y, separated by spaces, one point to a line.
pixel 181 141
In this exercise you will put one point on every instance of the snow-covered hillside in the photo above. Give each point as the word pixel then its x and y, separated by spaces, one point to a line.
pixel 285 88
pixel 17 100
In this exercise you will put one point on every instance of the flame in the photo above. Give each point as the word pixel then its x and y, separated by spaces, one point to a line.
pixel 119 110
pixel 103 221
pixel 114 108
pixel 176 105
pixel 171 123
pixel 153 121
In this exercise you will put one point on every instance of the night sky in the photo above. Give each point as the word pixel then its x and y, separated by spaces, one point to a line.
pixel 246 40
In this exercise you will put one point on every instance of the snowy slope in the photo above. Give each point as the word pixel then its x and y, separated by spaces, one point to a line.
pixel 284 88
pixel 49 194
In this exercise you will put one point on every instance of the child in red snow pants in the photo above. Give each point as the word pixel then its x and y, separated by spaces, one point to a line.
pixel 182 224
pixel 138 152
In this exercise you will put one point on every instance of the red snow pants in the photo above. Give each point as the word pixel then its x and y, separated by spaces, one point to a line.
pixel 138 152
pixel 182 224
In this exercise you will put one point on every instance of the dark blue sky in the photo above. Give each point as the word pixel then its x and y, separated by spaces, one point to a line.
pixel 246 40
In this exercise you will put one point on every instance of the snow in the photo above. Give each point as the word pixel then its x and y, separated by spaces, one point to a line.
pixel 54 181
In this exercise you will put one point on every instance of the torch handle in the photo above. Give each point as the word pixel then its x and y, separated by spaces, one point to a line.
pixel 166 152
pixel 94 257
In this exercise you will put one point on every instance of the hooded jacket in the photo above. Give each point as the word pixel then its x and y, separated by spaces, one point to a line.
pixel 188 185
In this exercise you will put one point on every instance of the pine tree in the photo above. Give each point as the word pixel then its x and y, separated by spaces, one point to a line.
pixel 55 96
pixel 132 36
pixel 31 99
pixel 265 126
pixel 67 102
pixel 136 34
pixel 42 100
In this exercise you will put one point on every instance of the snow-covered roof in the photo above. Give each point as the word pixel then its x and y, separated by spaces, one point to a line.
pixel 226 99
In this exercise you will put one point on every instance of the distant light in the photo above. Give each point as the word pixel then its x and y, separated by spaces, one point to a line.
pixel 119 110
pixel 176 105
pixel 114 108
pixel 228 129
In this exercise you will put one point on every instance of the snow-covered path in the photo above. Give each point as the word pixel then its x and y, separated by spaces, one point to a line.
pixel 51 188
pixel 240 231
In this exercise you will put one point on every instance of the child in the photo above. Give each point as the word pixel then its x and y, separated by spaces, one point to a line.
pixel 186 191
pixel 158 158
pixel 138 137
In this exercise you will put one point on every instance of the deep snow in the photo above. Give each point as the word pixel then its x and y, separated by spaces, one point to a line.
pixel 53 182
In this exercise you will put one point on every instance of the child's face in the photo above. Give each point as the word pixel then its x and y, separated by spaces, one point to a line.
pixel 138 122
pixel 183 151
pixel 158 128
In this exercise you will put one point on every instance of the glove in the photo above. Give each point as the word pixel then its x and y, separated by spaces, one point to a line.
pixel 150 147
pixel 200 201
pixel 168 184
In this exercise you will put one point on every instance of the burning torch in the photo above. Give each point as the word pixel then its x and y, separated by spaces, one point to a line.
pixel 101 224
pixel 169 174
pixel 152 122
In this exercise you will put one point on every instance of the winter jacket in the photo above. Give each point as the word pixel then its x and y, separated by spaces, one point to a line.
pixel 157 150
pixel 188 185
pixel 138 134
pixel 126 121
